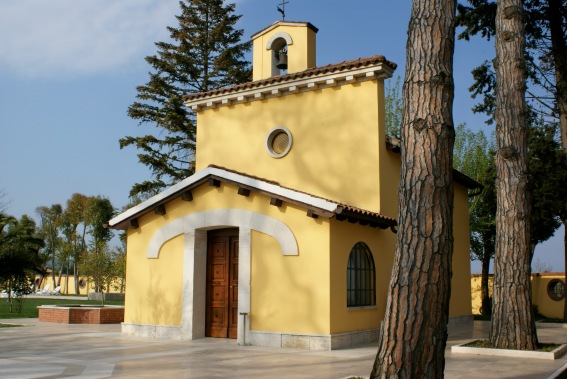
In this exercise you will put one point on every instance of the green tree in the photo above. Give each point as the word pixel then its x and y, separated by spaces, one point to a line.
pixel 74 226
pixel 394 107
pixel 548 184
pixel 474 156
pixel 3 201
pixel 414 334
pixel 119 268
pixel 205 53
pixel 546 55
pixel 94 260
pixel 97 264
pixel 50 221
pixel 99 211
pixel 19 256
pixel 546 63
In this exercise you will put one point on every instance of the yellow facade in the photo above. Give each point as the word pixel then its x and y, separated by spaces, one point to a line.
pixel 294 246
pixel 322 159
pixel 541 299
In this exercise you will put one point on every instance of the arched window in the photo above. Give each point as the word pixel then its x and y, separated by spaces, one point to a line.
pixel 361 277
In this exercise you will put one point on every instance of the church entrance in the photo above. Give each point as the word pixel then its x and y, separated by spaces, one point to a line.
pixel 222 283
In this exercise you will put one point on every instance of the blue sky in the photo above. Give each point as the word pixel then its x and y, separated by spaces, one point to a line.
pixel 69 70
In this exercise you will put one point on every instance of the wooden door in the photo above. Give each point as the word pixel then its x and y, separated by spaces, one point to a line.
pixel 222 284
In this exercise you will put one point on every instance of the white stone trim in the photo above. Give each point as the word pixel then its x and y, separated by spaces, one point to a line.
pixel 270 139
pixel 226 217
pixel 314 341
pixel 275 36
pixel 231 176
pixel 152 331
pixel 324 80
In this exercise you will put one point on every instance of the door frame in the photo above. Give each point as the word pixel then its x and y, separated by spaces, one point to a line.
pixel 228 236
pixel 194 227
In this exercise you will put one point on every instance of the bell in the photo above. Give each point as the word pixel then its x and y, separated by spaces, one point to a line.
pixel 282 61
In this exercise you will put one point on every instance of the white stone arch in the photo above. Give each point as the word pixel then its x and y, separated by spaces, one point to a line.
pixel 194 227
pixel 278 35
pixel 276 43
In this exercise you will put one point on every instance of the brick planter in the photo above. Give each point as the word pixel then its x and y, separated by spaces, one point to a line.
pixel 81 314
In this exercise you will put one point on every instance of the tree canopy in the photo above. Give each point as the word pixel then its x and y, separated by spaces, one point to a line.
pixel 19 249
pixel 205 52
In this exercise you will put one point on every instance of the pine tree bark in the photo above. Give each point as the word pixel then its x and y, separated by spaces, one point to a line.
pixel 414 333
pixel 484 285
pixel 559 52
pixel 513 323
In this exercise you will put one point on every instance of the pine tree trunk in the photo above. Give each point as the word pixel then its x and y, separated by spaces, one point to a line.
pixel 565 257
pixel 559 51
pixel 484 292
pixel 513 323
pixel 414 333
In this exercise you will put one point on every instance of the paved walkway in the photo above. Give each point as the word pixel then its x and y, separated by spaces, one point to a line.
pixel 47 350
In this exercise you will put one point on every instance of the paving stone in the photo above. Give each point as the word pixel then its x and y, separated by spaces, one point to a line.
pixel 48 350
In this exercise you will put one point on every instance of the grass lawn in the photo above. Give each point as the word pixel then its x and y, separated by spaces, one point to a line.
pixel 29 309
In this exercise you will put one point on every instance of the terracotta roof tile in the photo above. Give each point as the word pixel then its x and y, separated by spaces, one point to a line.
pixel 341 207
pixel 315 71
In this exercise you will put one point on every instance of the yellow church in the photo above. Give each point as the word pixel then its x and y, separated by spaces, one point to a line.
pixel 285 234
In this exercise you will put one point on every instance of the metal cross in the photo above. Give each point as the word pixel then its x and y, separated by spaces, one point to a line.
pixel 282 9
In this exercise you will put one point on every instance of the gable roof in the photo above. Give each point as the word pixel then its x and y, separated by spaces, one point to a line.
pixel 284 23
pixel 213 175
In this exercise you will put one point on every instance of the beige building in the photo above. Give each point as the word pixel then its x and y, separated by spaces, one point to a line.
pixel 285 235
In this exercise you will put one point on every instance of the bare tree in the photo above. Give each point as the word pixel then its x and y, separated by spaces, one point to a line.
pixel 513 322
pixel 3 201
pixel 414 334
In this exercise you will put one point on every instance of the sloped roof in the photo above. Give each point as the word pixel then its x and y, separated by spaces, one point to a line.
pixel 337 70
pixel 394 144
pixel 316 206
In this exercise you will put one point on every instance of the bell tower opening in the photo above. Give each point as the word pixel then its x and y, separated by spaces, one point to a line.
pixel 279 56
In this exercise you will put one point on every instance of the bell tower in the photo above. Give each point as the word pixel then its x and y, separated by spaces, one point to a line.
pixel 284 47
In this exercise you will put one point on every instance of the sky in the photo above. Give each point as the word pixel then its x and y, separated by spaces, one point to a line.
pixel 69 70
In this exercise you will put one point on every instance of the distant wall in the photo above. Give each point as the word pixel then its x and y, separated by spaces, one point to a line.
pixel 67 284
pixel 548 293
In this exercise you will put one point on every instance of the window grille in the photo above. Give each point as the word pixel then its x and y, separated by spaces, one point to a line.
pixel 361 277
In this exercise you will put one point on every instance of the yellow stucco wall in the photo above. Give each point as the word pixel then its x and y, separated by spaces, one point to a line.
pixel 291 293
pixel 540 298
pixel 338 118
pixel 344 236
pixel 460 285
pixel 382 243
pixel 153 292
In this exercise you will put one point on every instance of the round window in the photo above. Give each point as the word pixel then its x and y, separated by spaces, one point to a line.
pixel 556 289
pixel 279 142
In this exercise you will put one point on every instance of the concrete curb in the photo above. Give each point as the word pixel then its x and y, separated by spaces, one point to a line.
pixel 510 353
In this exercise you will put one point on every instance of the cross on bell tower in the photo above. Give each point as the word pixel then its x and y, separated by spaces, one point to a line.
pixel 281 8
